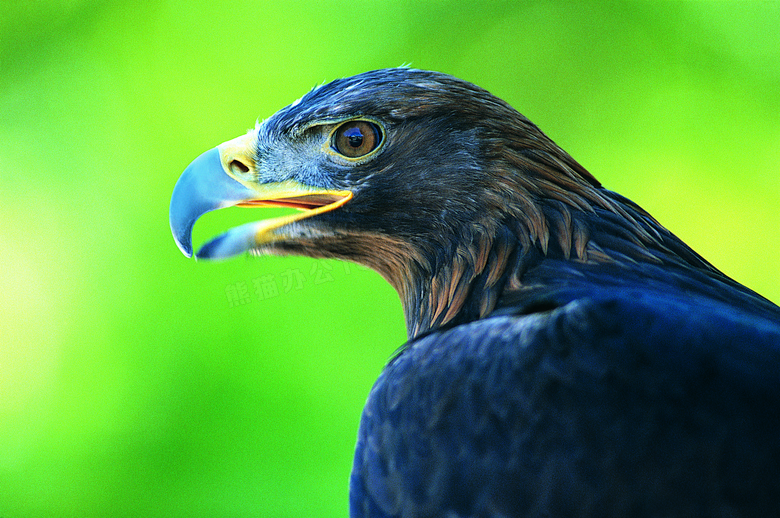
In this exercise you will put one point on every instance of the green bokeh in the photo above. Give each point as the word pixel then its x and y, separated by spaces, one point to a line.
pixel 129 383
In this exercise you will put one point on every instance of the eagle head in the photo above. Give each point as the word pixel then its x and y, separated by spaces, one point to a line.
pixel 441 187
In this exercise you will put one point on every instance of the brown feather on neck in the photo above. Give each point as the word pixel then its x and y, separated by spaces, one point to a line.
pixel 556 212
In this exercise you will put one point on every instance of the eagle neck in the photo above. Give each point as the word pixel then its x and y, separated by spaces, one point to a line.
pixel 459 285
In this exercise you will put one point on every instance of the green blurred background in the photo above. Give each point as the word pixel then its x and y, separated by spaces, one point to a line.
pixel 134 382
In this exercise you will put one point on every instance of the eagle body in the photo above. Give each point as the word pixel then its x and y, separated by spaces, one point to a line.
pixel 614 404
pixel 567 354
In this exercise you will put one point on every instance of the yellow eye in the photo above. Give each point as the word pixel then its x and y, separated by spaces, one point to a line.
pixel 355 139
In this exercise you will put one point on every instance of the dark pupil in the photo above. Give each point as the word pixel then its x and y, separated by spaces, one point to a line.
pixel 354 137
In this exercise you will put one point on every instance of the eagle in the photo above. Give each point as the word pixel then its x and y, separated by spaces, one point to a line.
pixel 567 355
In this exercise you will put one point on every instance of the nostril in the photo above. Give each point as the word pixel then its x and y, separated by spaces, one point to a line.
pixel 237 166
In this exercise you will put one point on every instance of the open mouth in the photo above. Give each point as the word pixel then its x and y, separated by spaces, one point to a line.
pixel 207 185
pixel 252 235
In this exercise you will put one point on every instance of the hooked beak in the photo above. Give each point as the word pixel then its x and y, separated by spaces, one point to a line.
pixel 224 177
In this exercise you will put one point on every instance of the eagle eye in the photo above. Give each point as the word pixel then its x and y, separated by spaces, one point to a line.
pixel 355 139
